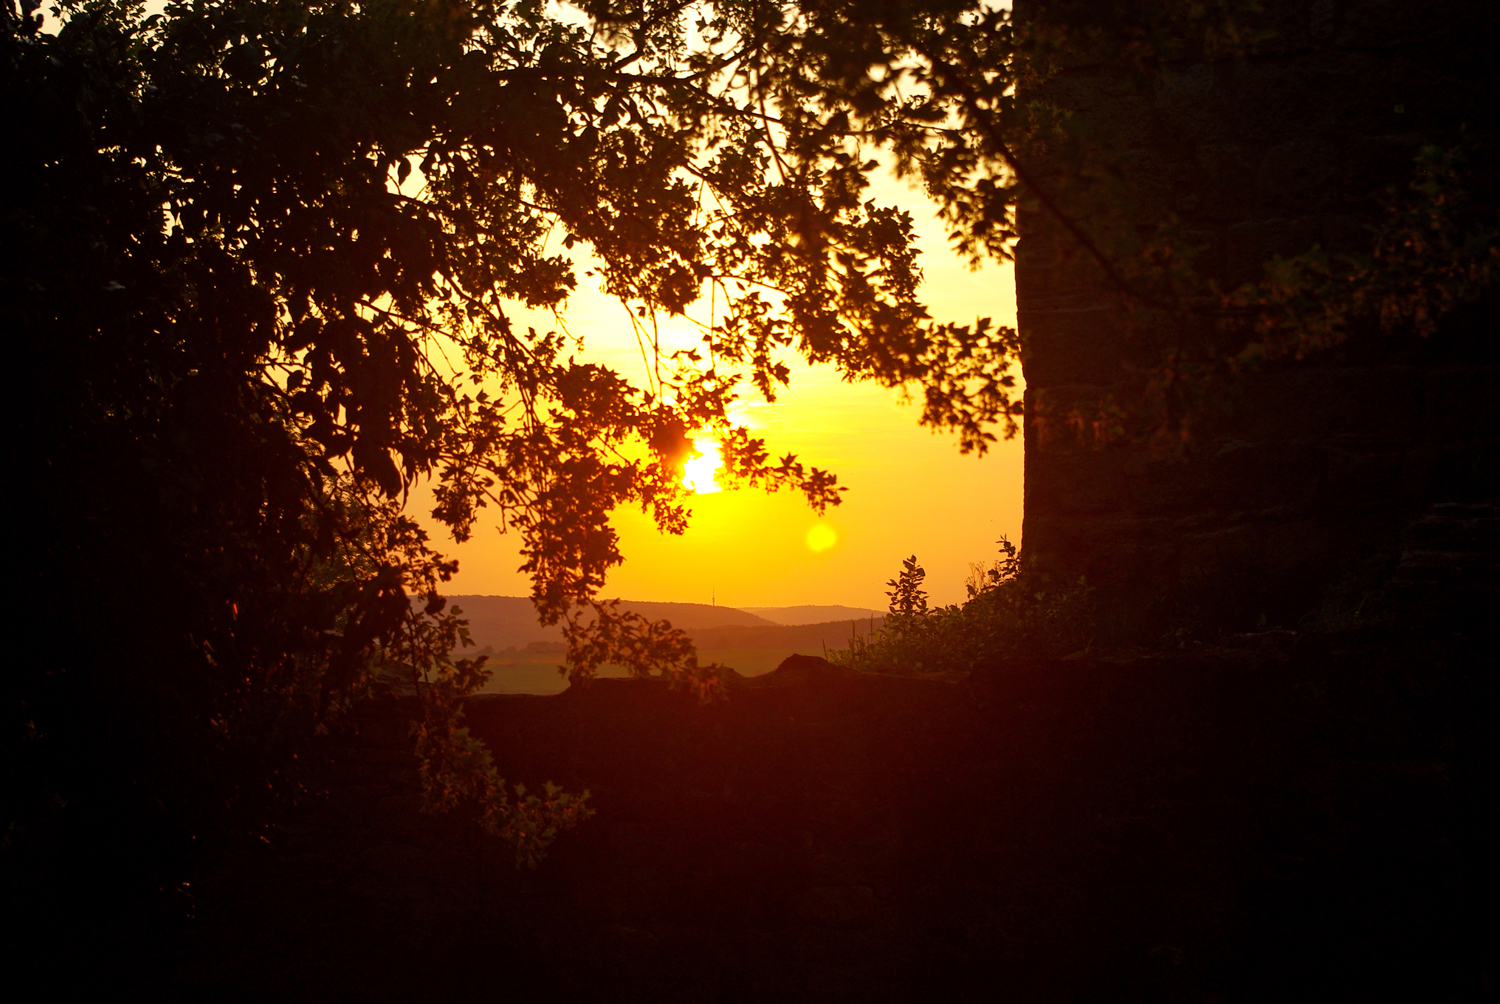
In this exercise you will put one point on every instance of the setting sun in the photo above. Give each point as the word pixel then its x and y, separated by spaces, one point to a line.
pixel 698 473
pixel 755 548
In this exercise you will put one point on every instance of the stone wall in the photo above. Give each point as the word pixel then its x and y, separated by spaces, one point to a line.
pixel 1312 480
pixel 1295 817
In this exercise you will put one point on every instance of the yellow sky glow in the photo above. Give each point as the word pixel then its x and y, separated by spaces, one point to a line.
pixel 909 490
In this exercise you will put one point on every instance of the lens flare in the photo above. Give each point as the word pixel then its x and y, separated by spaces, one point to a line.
pixel 821 537
pixel 698 473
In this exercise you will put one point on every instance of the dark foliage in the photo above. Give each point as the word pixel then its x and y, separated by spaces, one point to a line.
pixel 1011 611
pixel 255 262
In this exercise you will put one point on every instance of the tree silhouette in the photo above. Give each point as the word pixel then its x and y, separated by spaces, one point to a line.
pixel 257 262
pixel 255 267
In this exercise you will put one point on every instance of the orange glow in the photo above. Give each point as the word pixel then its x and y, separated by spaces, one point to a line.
pixel 910 491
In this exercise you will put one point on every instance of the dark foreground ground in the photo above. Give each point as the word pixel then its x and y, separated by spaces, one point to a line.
pixel 1296 818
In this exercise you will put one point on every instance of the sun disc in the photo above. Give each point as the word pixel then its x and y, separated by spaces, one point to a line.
pixel 698 473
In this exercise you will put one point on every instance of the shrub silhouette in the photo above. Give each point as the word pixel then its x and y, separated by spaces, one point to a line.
pixel 1010 611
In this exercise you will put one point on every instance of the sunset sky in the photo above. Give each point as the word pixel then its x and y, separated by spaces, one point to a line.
pixel 910 491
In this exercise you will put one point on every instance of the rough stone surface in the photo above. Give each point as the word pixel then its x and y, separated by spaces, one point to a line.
pixel 1291 817
pixel 1320 464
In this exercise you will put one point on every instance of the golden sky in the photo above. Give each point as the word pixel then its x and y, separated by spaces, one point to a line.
pixel 910 491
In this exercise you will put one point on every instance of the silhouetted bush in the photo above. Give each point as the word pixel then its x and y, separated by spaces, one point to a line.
pixel 1010 610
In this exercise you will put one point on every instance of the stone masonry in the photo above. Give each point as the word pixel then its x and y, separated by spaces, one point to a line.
pixel 1321 469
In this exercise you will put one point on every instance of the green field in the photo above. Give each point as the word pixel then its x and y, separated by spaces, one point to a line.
pixel 528 673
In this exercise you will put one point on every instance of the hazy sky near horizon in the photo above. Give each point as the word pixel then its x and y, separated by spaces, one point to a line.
pixel 910 491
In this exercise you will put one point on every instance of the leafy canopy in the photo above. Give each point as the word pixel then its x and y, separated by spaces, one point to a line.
pixel 256 264
pixel 343 199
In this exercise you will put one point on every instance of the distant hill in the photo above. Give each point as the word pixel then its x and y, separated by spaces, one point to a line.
pixel 500 622
pixel 808 639
pixel 693 616
pixel 813 614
